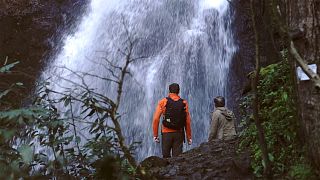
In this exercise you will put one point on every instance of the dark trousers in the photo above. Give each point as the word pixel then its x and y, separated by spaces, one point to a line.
pixel 172 141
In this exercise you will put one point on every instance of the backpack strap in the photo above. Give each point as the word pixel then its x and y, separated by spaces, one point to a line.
pixel 184 104
pixel 169 99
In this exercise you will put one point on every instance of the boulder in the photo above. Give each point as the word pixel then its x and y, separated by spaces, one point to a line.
pixel 211 160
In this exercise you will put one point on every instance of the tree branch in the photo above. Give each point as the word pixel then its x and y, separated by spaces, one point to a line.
pixel 293 51
pixel 312 75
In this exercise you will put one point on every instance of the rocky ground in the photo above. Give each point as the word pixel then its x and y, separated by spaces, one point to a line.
pixel 212 160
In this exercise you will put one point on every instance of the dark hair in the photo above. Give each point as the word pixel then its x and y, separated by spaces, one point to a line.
pixel 174 88
pixel 219 101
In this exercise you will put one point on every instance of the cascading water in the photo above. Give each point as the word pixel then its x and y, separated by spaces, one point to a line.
pixel 187 41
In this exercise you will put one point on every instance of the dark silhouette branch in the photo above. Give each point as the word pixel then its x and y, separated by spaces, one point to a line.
pixel 255 103
pixel 74 128
pixel 83 74
pixel 110 63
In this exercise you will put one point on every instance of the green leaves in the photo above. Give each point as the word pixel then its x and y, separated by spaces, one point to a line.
pixel 278 114
pixel 285 96
pixel 7 134
pixel 23 114
pixel 11 88
pixel 7 68
pixel 78 139
pixel 4 93
pixel 55 123
pixel 271 157
pixel 301 171
pixel 26 153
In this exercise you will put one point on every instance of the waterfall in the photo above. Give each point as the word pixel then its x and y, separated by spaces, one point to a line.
pixel 186 41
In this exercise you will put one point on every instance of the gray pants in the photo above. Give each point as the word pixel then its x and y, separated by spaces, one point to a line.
pixel 172 141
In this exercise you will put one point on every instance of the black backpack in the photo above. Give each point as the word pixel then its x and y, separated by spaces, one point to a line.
pixel 175 115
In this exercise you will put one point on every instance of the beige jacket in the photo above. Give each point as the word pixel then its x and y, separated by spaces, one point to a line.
pixel 222 124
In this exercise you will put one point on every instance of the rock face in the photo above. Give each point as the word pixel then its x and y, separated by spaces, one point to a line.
pixel 29 31
pixel 305 17
pixel 212 160
pixel 243 61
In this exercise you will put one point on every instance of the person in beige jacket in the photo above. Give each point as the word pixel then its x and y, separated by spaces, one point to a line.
pixel 222 121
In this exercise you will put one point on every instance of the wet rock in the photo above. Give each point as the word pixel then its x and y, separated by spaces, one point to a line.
pixel 211 160
pixel 180 178
pixel 196 176
pixel 154 161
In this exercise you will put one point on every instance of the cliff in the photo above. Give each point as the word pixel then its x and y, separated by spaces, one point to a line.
pixel 31 31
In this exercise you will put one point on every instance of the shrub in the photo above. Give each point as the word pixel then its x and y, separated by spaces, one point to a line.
pixel 278 116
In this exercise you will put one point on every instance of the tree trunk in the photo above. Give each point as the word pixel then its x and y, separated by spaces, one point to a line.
pixel 255 105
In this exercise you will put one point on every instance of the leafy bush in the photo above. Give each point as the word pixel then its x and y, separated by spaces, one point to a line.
pixel 41 141
pixel 301 171
pixel 278 116
pixel 16 155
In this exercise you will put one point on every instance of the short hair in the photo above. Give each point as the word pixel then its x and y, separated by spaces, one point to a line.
pixel 174 88
pixel 219 101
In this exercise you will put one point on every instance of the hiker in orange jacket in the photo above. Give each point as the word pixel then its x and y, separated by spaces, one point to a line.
pixel 176 119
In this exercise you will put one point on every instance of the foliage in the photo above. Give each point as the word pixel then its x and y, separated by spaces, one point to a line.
pixel 109 167
pixel 42 141
pixel 15 161
pixel 72 132
pixel 301 171
pixel 277 113
pixel 7 68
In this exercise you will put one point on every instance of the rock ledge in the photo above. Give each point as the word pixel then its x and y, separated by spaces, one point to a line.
pixel 211 160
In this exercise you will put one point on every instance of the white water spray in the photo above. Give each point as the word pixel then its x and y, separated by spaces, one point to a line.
pixel 188 41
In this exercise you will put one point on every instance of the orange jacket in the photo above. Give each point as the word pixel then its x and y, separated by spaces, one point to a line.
pixel 161 108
